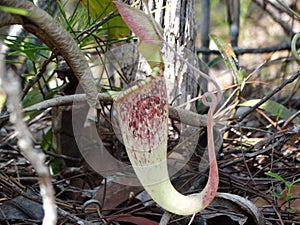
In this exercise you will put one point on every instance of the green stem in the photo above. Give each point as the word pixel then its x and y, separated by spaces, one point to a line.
pixel 294 47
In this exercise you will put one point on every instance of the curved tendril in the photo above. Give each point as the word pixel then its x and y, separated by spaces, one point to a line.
pixel 213 100
pixel 294 47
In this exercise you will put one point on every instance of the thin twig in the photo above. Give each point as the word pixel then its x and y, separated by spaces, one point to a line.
pixel 38 75
pixel 241 51
pixel 97 24
pixel 267 97
pixel 289 120
pixel 274 15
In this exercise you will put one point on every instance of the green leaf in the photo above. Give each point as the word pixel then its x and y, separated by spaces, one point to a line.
pixel 13 10
pixel 277 195
pixel 214 61
pixel 275 175
pixel 47 141
pixel 48 145
pixel 229 58
pixel 140 23
pixel 275 108
pixel 98 9
pixel 296 181
pixel 292 210
pixel 29 54
pixel 33 96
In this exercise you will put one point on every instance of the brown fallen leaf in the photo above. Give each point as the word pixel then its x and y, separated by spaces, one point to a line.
pixel 285 202
pixel 115 194
pixel 230 209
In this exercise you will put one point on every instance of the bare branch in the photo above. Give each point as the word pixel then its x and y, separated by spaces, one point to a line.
pixel 241 51
pixel 176 113
pixel 12 88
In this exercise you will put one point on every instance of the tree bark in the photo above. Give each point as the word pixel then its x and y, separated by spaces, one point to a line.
pixel 178 23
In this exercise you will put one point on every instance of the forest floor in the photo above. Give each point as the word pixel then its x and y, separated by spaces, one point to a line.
pixel 259 144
